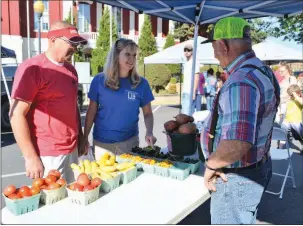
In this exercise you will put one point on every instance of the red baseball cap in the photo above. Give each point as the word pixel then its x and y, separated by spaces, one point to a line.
pixel 70 33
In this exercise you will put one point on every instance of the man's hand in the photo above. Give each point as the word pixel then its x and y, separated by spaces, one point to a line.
pixel 34 167
pixel 83 145
pixel 210 177
pixel 150 140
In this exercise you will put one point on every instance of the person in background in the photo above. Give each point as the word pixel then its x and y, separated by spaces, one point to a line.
pixel 300 81
pixel 293 118
pixel 197 103
pixel 211 87
pixel 219 81
pixel 187 73
pixel 288 80
pixel 236 137
pixel 116 96
pixel 44 116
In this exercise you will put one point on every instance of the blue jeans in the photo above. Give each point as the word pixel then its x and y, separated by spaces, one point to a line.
pixel 209 102
pixel 197 103
pixel 236 201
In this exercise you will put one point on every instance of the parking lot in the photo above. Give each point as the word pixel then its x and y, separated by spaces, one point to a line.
pixel 272 210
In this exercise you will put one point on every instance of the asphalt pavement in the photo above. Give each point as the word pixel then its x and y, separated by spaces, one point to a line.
pixel 272 210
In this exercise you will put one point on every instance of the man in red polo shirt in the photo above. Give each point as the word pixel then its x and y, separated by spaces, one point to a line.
pixel 44 114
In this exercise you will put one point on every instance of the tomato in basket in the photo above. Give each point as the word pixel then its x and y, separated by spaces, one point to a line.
pixel 61 182
pixel 15 196
pixel 50 179
pixel 38 182
pixel 9 190
pixel 25 191
pixel 83 179
pixel 53 186
pixel 56 173
pixel 96 182
pixel 35 190
pixel 88 188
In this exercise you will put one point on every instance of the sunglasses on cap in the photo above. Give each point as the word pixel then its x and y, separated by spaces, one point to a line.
pixel 187 50
pixel 73 44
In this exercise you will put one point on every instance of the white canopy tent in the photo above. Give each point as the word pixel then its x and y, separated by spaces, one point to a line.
pixel 175 55
pixel 273 51
pixel 266 51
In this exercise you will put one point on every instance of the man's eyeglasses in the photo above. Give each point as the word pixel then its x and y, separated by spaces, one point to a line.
pixel 187 50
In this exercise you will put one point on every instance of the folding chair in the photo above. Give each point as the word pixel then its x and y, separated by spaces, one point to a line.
pixel 282 154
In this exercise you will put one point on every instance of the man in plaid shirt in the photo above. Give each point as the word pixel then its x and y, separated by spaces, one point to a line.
pixel 236 136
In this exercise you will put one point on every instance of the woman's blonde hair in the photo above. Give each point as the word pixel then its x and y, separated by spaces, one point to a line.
pixel 112 68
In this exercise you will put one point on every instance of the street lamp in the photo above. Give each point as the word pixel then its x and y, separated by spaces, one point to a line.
pixel 38 9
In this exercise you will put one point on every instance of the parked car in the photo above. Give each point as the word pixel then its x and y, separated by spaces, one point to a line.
pixel 9 72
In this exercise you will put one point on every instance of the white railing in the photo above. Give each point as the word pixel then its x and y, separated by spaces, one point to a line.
pixel 90 35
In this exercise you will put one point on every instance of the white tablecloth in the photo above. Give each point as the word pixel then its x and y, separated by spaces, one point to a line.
pixel 149 199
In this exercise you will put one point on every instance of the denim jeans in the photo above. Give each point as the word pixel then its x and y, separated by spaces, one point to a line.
pixel 236 201
pixel 197 103
pixel 209 102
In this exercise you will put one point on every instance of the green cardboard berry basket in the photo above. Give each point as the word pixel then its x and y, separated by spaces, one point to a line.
pixel 128 175
pixel 147 168
pixel 161 171
pixel 110 184
pixel 83 198
pixel 52 196
pixel 179 171
pixel 24 205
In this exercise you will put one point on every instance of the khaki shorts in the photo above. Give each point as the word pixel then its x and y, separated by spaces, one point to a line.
pixel 61 163
pixel 115 148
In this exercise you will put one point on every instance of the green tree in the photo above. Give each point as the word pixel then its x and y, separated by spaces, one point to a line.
pixel 147 41
pixel 170 41
pixel 99 54
pixel 290 28
pixel 260 30
pixel 158 75
pixel 183 31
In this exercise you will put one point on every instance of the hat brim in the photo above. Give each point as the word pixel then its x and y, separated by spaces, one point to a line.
pixel 207 41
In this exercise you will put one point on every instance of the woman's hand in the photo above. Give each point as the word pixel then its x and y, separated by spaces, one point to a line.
pixel 150 140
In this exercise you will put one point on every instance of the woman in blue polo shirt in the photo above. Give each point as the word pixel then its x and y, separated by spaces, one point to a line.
pixel 116 96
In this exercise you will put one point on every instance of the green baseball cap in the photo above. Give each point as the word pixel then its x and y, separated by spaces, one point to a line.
pixel 229 28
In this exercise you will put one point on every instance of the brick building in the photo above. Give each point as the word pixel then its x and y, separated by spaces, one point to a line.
pixel 19 30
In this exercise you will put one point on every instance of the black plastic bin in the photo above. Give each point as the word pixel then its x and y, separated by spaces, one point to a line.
pixel 182 144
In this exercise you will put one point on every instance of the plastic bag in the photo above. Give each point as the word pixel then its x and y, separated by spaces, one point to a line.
pixel 89 156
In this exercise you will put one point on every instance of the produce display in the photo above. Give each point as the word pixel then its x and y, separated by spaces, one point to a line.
pixel 105 168
pixel 84 183
pixel 182 124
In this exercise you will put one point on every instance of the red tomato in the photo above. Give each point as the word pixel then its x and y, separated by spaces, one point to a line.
pixel 56 173
pixel 72 187
pixel 88 188
pixel 9 190
pixel 44 187
pixel 78 187
pixel 83 179
pixel 25 191
pixel 53 186
pixel 35 190
pixel 96 182
pixel 38 182
pixel 15 196
pixel 61 181
pixel 50 179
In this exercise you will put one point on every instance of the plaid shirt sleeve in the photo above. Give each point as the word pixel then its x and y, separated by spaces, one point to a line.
pixel 239 104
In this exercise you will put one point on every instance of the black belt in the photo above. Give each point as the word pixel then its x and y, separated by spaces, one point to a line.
pixel 253 166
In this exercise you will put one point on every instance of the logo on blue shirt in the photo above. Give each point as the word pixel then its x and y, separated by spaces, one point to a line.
pixel 131 95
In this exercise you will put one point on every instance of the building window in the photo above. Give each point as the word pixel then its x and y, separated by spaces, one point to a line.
pixel 84 17
pixel 119 21
pixel 44 18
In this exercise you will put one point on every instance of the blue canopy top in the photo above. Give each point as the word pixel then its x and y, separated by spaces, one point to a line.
pixel 7 53
pixel 209 11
